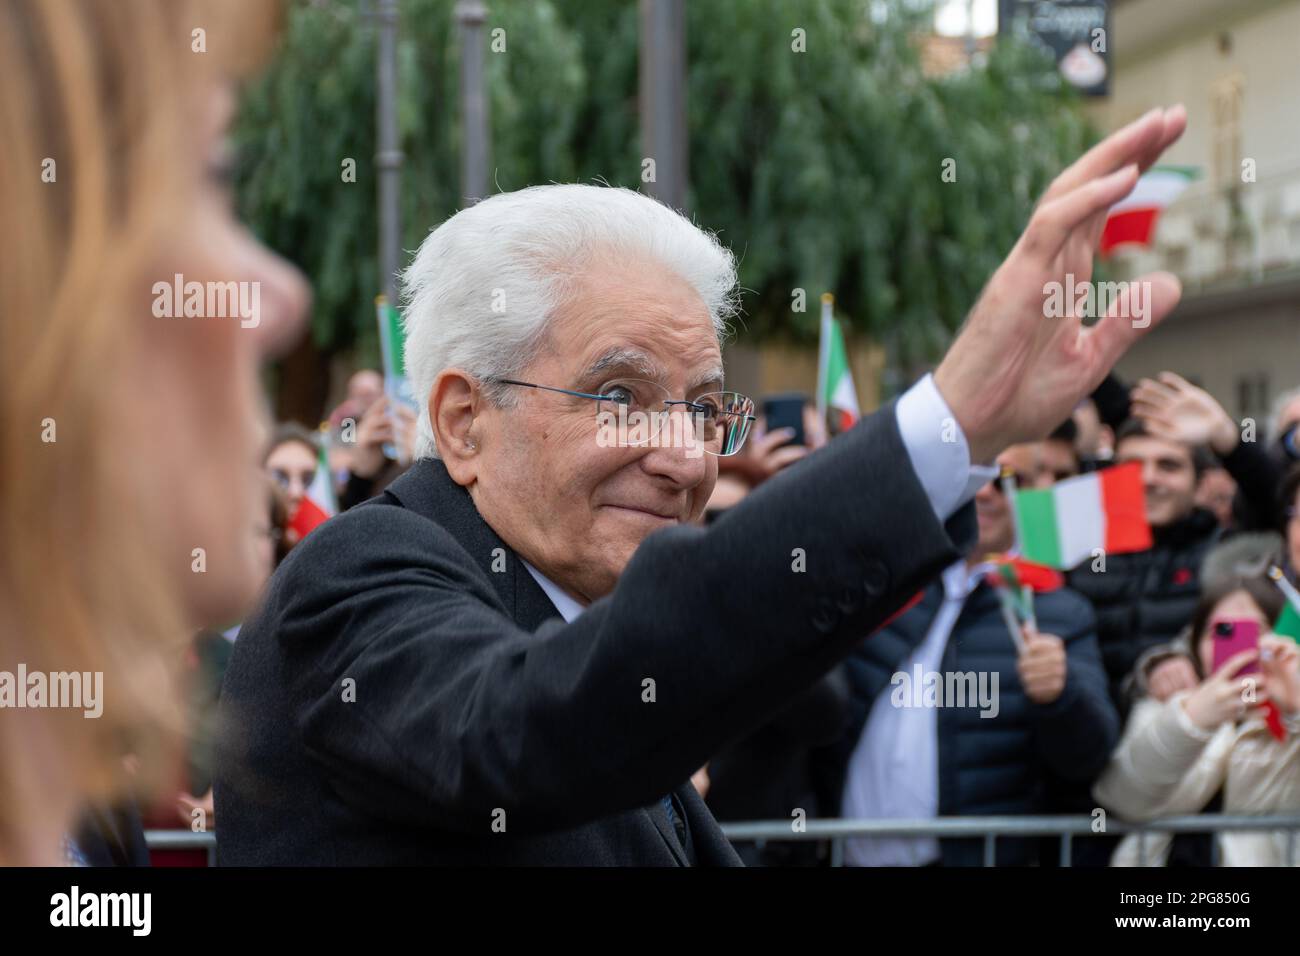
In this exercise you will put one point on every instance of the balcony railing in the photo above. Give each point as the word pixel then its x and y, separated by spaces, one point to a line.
pixel 1216 236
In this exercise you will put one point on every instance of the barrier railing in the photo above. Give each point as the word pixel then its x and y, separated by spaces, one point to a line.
pixel 183 840
pixel 990 828
pixel 987 828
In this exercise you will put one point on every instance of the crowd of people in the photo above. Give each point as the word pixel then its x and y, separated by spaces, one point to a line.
pixel 1132 717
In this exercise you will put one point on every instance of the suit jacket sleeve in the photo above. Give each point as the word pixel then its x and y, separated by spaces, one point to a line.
pixel 458 713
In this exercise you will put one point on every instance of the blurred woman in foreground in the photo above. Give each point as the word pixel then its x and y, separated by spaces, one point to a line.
pixel 130 433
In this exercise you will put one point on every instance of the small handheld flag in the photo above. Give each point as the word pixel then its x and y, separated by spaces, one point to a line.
pixel 1288 622
pixel 1133 218
pixel 1016 572
pixel 1010 620
pixel 1015 582
pixel 318 503
pixel 1286 625
pixel 835 389
pixel 392 348
pixel 1074 519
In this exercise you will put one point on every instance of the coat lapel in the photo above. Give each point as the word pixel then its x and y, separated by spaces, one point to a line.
pixel 659 818
pixel 427 489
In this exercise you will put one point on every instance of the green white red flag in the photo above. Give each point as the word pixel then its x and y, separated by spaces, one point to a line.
pixel 1133 219
pixel 835 391
pixel 1074 519
pixel 318 503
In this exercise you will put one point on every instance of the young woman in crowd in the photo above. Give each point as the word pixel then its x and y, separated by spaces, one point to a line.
pixel 1209 748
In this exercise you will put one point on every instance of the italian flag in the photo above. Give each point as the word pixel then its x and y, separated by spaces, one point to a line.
pixel 1286 625
pixel 1015 572
pixel 835 389
pixel 318 503
pixel 1288 622
pixel 1133 218
pixel 1065 524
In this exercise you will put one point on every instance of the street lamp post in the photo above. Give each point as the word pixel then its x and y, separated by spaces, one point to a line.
pixel 388 157
pixel 475 151
pixel 662 80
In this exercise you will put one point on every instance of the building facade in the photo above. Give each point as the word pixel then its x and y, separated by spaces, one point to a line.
pixel 1233 238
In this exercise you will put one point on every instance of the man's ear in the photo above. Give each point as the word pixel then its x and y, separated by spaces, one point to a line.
pixel 454 405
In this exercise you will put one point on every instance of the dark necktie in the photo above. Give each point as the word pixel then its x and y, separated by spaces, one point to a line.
pixel 679 825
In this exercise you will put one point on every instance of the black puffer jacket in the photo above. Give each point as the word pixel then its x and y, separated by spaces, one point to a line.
pixel 1004 764
pixel 1146 598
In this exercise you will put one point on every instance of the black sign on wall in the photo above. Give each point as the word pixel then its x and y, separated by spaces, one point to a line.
pixel 1075 33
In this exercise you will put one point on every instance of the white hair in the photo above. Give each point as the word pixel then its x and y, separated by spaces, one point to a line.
pixel 484 284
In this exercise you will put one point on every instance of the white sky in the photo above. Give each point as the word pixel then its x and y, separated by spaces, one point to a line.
pixel 950 17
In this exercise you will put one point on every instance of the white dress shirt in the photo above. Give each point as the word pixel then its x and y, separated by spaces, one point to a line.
pixel 564 602
pixel 894 771
pixel 938 449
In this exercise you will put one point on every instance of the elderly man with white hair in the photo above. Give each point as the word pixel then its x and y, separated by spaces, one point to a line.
pixel 521 651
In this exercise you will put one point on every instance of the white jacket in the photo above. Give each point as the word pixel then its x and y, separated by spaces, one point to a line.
pixel 1165 765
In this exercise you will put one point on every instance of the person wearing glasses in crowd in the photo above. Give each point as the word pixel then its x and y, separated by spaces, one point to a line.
pixel 1049 732
pixel 522 650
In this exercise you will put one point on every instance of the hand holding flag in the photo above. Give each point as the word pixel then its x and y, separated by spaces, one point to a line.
pixel 1042 666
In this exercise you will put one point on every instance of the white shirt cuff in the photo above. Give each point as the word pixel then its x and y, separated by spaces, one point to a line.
pixel 938 450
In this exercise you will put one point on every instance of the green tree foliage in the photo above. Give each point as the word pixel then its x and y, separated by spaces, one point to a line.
pixel 822 169
pixel 315 107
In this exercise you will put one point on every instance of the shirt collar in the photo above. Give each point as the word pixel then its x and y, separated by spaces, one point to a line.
pixel 959 581
pixel 568 606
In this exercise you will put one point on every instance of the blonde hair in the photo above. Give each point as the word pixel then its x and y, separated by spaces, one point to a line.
pixel 94 111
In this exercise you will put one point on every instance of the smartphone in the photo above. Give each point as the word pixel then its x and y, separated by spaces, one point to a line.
pixel 1231 637
pixel 786 411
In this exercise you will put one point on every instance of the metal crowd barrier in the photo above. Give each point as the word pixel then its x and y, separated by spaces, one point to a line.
pixel 183 840
pixel 990 828
pixel 987 828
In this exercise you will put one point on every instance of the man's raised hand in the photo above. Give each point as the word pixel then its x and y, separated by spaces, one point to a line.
pixel 1014 374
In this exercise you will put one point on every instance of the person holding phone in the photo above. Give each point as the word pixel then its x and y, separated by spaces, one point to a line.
pixel 1209 748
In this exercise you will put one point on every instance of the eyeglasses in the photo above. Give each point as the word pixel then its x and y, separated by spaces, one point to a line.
pixel 1021 482
pixel 285 478
pixel 639 409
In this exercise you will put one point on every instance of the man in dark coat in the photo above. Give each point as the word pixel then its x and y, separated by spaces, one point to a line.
pixel 522 650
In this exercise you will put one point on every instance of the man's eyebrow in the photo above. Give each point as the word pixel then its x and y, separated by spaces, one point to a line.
pixel 624 359
pixel 712 376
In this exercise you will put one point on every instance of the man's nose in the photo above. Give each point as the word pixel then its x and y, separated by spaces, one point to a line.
pixel 678 452
pixel 285 297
